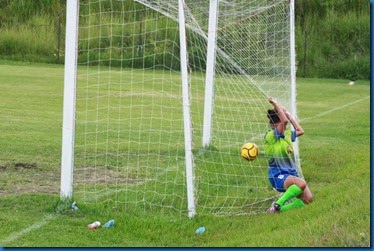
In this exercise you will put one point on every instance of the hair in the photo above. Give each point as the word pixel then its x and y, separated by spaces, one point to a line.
pixel 273 116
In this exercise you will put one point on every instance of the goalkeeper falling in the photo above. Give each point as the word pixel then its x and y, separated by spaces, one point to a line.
pixel 283 175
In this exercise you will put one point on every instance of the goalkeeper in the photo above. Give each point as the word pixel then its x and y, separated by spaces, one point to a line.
pixel 283 175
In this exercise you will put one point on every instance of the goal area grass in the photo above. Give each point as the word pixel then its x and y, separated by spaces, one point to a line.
pixel 335 159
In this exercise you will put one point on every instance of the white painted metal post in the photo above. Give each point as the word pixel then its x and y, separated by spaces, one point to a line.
pixel 70 78
pixel 292 59
pixel 186 111
pixel 209 77
pixel 293 79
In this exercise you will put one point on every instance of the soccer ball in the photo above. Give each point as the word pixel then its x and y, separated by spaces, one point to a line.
pixel 249 151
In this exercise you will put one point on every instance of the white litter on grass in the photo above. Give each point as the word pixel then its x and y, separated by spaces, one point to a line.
pixel 351 83
pixel 26 230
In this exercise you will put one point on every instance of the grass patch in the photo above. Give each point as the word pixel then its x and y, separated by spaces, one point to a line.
pixel 335 152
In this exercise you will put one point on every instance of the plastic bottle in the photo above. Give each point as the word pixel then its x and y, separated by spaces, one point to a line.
pixel 200 230
pixel 109 224
pixel 94 225
pixel 74 206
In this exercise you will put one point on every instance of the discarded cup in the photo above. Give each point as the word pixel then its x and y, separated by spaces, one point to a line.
pixel 109 224
pixel 74 206
pixel 94 225
pixel 200 230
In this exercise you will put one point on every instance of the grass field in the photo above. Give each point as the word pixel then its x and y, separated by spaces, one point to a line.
pixel 335 153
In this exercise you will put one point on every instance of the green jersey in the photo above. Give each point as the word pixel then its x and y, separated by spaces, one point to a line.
pixel 279 149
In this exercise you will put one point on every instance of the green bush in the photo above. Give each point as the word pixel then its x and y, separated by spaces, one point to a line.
pixel 332 37
pixel 333 43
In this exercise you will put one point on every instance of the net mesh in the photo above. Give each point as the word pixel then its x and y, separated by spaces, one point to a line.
pixel 129 143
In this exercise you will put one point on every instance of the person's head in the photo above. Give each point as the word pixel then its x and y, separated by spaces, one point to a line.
pixel 273 117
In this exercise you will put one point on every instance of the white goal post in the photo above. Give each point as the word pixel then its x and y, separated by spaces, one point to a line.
pixel 159 96
pixel 186 109
pixel 70 78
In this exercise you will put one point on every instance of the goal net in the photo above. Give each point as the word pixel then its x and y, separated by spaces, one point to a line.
pixel 166 94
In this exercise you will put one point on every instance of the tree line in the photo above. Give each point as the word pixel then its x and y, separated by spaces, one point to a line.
pixel 332 36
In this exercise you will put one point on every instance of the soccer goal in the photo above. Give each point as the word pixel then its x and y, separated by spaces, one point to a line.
pixel 160 95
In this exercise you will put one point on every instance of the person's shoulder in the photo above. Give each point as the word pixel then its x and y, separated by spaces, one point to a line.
pixel 269 132
pixel 269 135
pixel 288 131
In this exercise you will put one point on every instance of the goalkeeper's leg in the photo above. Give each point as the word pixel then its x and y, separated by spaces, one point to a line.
pixel 295 187
pixel 294 204
pixel 305 197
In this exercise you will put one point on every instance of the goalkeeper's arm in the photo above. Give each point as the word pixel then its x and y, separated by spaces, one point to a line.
pixel 299 130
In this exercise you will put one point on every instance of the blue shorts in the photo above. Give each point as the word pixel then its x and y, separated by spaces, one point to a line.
pixel 277 177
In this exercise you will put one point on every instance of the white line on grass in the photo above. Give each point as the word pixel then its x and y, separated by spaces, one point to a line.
pixel 335 109
pixel 36 225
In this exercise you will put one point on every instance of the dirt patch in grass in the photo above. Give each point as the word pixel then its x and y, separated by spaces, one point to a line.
pixel 30 178
pixel 25 165
pixel 101 175
pixel 27 178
